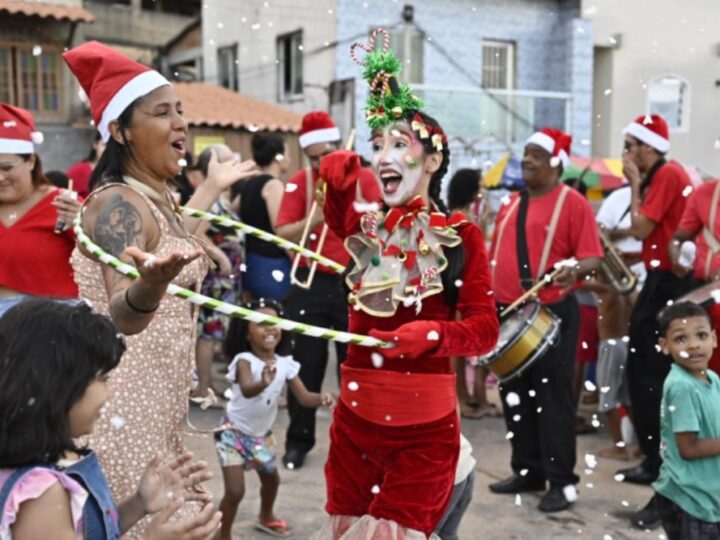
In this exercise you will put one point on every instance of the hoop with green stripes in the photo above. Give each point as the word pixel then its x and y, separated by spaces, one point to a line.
pixel 263 235
pixel 223 307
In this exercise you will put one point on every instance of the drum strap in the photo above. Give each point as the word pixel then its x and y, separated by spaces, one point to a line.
pixel 712 242
pixel 500 233
pixel 551 230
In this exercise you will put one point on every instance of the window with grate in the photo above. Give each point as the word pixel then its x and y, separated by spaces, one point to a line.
pixel 498 64
pixel 228 66
pixel 290 66
pixel 669 96
pixel 31 78
pixel 412 63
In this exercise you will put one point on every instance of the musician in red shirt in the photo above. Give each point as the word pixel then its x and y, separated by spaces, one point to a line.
pixel 699 224
pixel 546 223
pixel 323 303
pixel 659 192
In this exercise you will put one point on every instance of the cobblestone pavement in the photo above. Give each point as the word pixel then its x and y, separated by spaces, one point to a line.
pixel 600 513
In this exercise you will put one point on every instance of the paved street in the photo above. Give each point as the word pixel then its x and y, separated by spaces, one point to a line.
pixel 600 513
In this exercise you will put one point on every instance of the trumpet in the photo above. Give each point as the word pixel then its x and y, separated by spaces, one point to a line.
pixel 621 278
pixel 318 201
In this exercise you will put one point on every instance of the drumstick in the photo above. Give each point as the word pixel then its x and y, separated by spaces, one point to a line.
pixel 535 288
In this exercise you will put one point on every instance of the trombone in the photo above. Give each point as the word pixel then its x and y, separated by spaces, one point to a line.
pixel 318 200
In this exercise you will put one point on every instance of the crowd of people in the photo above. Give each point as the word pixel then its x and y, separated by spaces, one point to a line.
pixel 92 414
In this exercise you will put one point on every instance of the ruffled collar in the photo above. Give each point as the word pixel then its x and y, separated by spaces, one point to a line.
pixel 399 257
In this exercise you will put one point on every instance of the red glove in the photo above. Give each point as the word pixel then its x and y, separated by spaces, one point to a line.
pixel 411 340
pixel 340 169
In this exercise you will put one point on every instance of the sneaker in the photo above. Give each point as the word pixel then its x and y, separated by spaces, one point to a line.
pixel 557 499
pixel 517 484
pixel 648 517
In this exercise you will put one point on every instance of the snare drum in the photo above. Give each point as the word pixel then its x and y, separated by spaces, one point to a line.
pixel 708 297
pixel 525 335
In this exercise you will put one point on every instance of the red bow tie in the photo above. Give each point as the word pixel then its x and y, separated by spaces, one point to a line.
pixel 404 215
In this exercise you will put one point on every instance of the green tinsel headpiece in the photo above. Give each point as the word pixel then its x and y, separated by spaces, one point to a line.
pixel 388 100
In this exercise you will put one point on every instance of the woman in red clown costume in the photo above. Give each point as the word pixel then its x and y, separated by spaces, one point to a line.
pixel 420 281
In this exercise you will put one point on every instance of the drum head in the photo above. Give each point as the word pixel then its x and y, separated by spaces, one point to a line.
pixel 705 296
pixel 511 326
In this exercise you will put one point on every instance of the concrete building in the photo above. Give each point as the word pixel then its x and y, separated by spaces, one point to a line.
pixel 657 56
pixel 492 71
pixel 33 74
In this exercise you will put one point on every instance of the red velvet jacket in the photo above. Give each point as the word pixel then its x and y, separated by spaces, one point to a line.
pixel 475 333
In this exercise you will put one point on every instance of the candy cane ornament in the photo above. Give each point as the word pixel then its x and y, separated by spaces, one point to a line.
pixel 223 307
pixel 263 235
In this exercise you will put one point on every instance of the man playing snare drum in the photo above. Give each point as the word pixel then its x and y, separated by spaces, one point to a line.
pixel 543 225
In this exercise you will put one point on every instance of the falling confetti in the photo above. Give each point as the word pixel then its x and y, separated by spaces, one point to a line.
pixel 377 360
pixel 570 493
pixel 512 399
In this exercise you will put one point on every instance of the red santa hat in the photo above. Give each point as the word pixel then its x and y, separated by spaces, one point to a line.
pixel 17 131
pixel 111 80
pixel 652 130
pixel 318 127
pixel 555 141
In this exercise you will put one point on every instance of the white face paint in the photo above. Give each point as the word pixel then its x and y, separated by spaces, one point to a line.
pixel 398 162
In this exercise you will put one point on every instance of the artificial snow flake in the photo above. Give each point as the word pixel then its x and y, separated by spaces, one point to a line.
pixel 516 418
pixel 352 385
pixel 278 275
pixel 619 477
pixel 458 283
pixel 182 162
pixel 289 188
pixel 523 472
pixel 375 489
pixel 589 386
pixel 591 461
pixel 118 422
pixel 532 393
pixel 570 493
pixel 36 50
pixel 377 360
pixel 509 435
pixel 607 91
pixel 433 335
pixel 655 263
pixel 687 191
pixel 512 399
pixel 518 500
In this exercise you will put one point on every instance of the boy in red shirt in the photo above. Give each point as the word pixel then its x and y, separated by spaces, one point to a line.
pixel 659 191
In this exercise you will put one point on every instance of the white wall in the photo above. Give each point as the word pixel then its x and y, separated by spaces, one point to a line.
pixel 661 37
pixel 256 27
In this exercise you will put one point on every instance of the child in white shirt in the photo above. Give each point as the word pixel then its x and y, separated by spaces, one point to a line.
pixel 258 373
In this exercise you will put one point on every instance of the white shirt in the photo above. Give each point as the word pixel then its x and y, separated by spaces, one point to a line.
pixel 609 214
pixel 466 462
pixel 255 416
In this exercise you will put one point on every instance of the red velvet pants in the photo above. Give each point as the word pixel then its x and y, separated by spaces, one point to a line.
pixel 413 468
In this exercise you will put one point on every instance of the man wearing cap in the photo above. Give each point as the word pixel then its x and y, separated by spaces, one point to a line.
pixel 323 303
pixel 543 225
pixel 659 192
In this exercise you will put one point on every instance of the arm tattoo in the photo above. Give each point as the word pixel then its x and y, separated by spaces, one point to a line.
pixel 118 225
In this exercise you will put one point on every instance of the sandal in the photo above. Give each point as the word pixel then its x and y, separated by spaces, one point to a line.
pixel 276 527
pixel 208 402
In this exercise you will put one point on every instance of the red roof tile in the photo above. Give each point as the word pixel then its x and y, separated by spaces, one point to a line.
pixel 52 11
pixel 210 105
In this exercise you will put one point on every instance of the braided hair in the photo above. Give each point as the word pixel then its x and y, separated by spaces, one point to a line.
pixel 455 255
